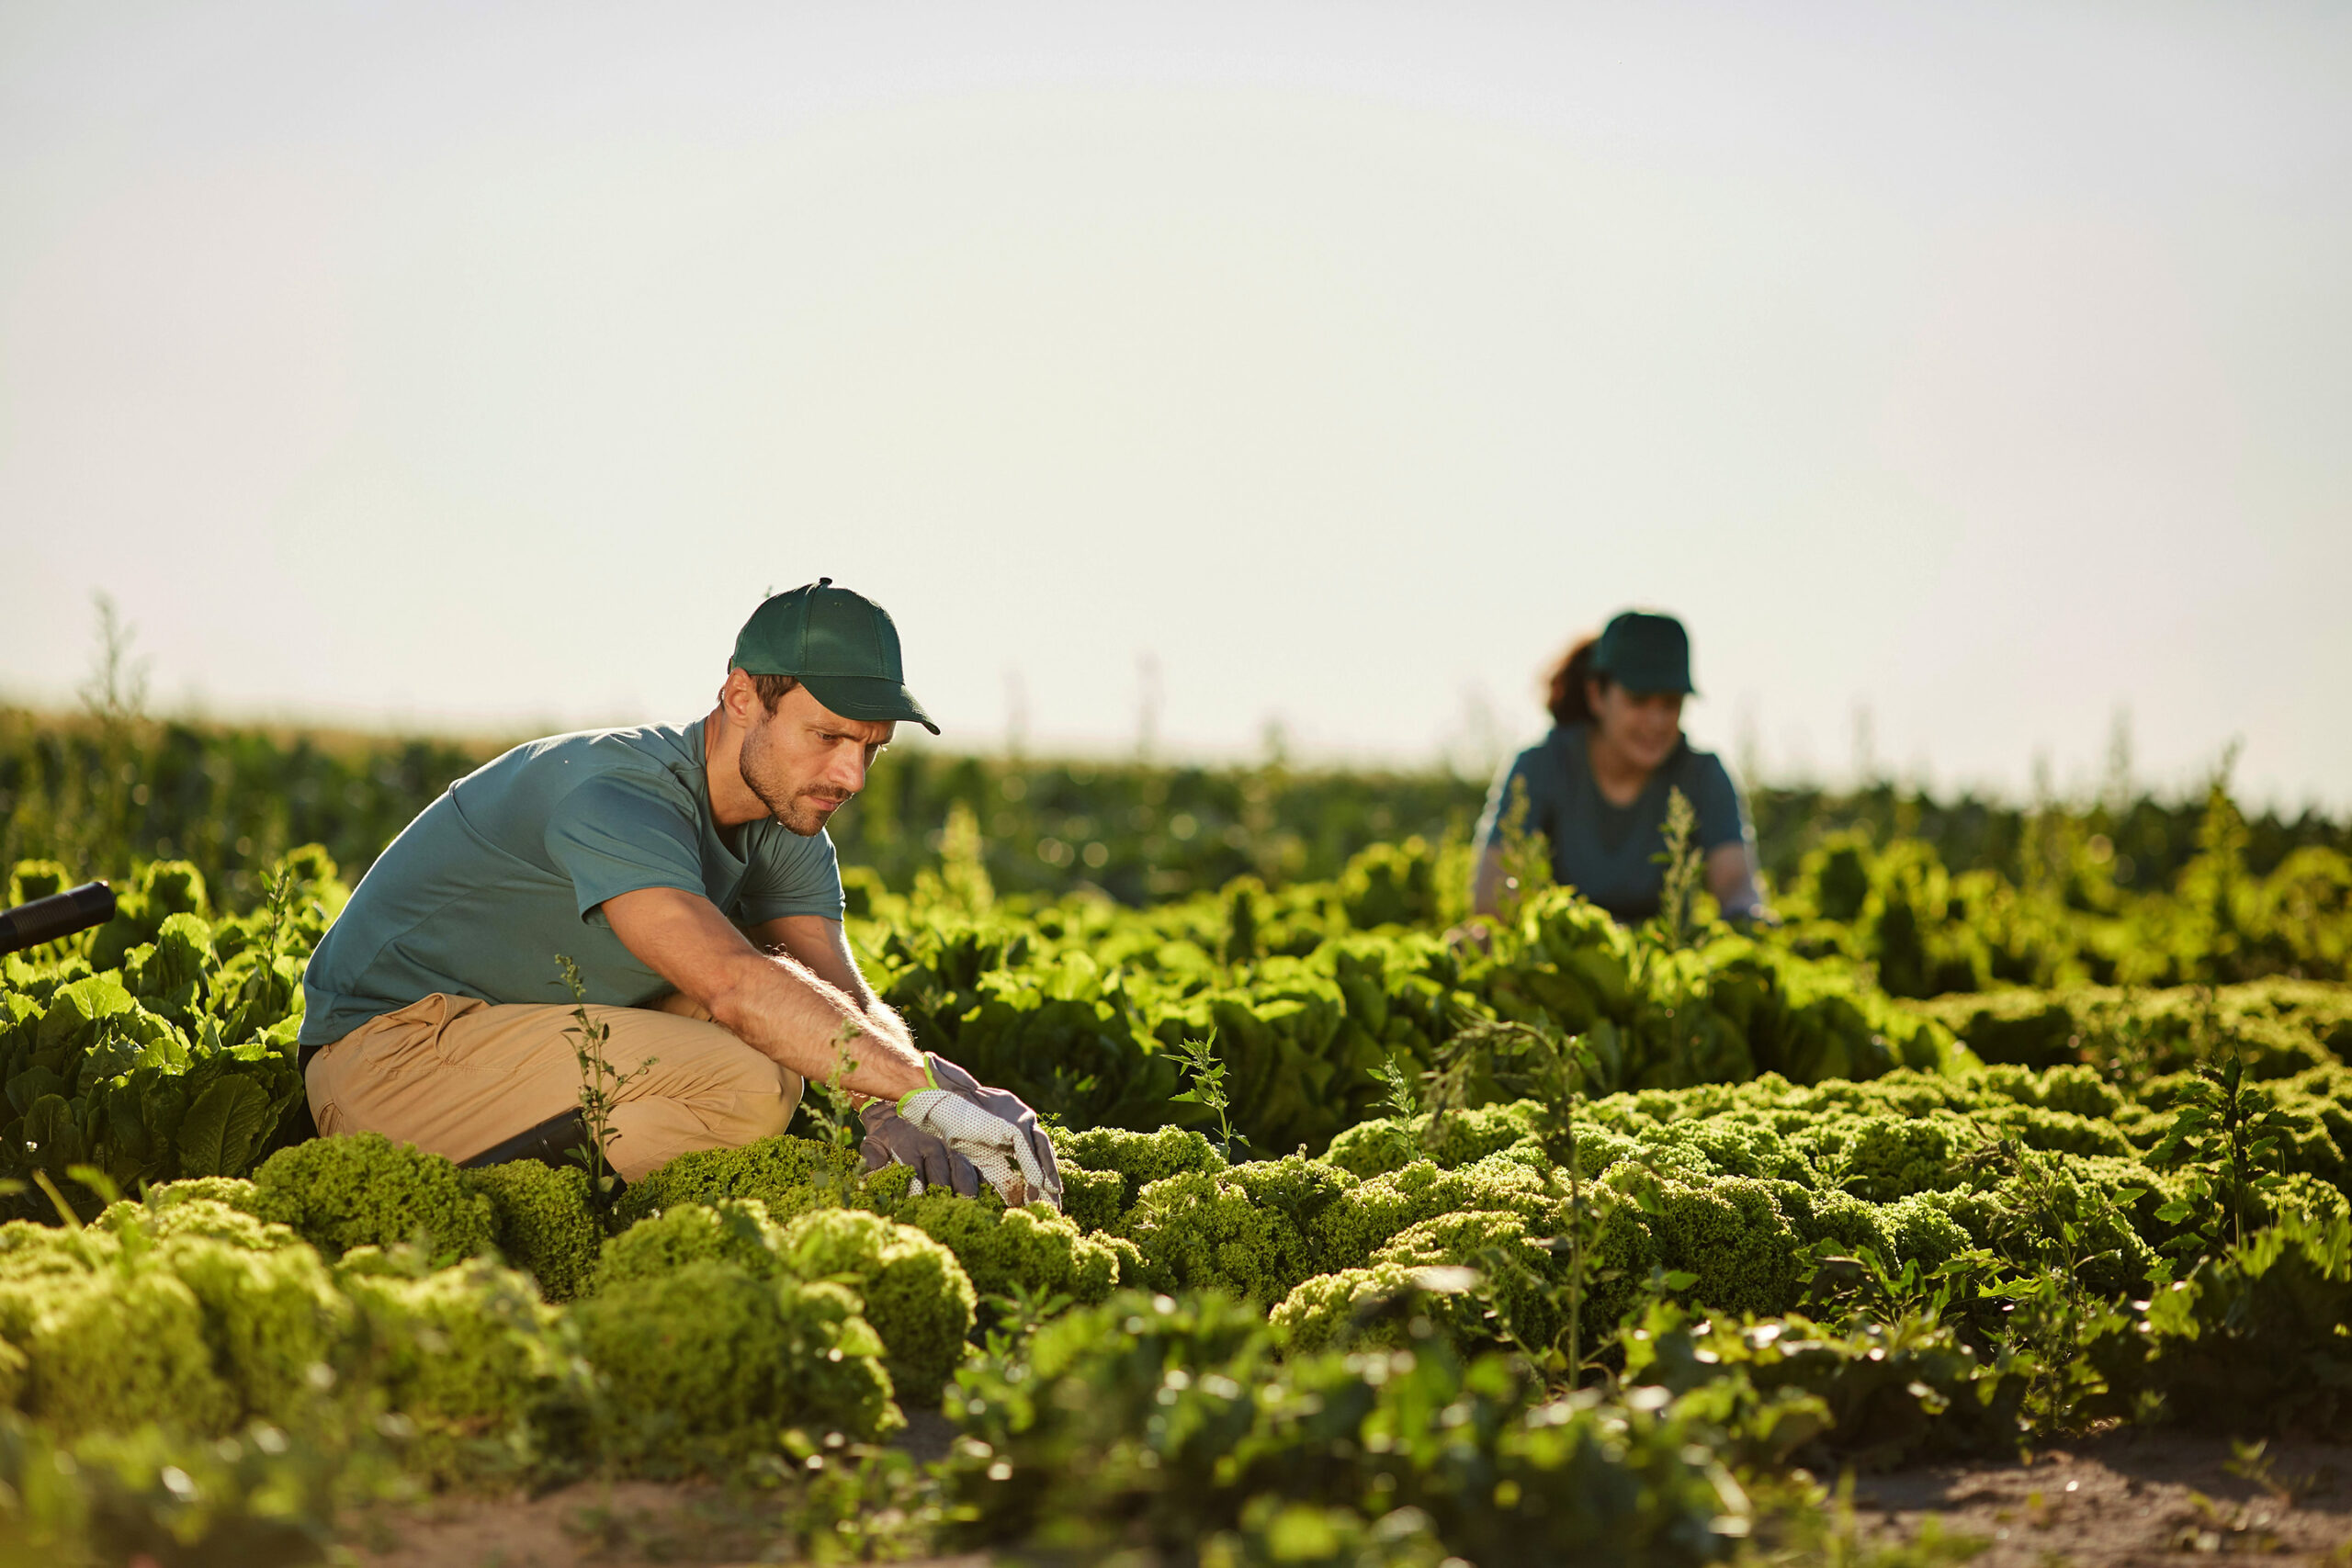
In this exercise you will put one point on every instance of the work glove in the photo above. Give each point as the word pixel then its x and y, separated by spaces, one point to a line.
pixel 968 1133
pixel 892 1139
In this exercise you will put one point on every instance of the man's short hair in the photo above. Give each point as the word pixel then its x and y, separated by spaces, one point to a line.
pixel 771 688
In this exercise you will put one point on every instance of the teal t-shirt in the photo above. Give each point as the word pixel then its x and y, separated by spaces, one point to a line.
pixel 509 867
pixel 1602 849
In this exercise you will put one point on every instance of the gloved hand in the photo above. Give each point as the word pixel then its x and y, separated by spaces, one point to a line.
pixel 892 1139
pixel 958 1121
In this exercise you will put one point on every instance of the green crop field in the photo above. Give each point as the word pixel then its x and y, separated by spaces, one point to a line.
pixel 1380 1246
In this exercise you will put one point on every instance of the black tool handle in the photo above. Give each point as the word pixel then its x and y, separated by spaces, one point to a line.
pixel 60 914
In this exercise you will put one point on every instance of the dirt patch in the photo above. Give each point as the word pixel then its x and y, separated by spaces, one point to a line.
pixel 2127 1498
pixel 2120 1501
pixel 605 1523
pixel 608 1525
pixel 592 1522
pixel 612 1524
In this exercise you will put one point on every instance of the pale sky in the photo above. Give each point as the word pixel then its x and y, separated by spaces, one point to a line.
pixel 1986 369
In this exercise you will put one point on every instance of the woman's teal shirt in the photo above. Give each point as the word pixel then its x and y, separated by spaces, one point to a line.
pixel 1603 850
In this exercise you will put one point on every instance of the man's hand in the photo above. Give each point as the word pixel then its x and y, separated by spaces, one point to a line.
pixel 958 1131
pixel 892 1139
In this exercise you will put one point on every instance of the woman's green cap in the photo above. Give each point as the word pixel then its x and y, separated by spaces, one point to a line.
pixel 840 645
pixel 1646 652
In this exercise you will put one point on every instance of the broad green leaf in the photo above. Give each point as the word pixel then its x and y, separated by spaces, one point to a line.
pixel 73 1013
pixel 217 1137
pixel 33 1085
pixel 52 1141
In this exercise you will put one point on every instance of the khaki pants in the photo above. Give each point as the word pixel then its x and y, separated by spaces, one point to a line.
pixel 455 1076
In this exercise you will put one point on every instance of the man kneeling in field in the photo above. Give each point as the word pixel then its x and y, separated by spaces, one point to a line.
pixel 688 873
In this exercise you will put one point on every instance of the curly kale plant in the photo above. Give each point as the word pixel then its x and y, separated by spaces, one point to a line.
pixel 911 1289
pixel 187 1208
pixel 1137 1159
pixel 707 1365
pixel 107 1349
pixel 1373 1309
pixel 1365 1216
pixel 363 1190
pixel 788 1175
pixel 277 1323
pixel 1733 1237
pixel 484 1371
pixel 916 1295
pixel 1253 1230
pixel 1458 1138
pixel 192 1313
pixel 1152 1424
pixel 1031 1252
pixel 735 1231
pixel 542 1223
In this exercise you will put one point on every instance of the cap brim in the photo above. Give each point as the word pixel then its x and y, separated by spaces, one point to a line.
pixel 1657 681
pixel 869 699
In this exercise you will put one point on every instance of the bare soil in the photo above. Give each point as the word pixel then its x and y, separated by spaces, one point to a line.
pixel 2128 1498
pixel 606 1525
pixel 2124 1500
pixel 617 1523
pixel 624 1522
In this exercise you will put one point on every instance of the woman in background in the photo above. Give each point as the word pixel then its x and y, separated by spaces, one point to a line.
pixel 1597 788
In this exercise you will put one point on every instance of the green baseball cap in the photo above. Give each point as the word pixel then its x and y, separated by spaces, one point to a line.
pixel 840 645
pixel 1643 651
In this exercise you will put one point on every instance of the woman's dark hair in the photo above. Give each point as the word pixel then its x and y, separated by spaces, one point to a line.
pixel 1566 693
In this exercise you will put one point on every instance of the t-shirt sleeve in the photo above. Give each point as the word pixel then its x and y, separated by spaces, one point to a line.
pixel 616 833
pixel 1521 770
pixel 792 875
pixel 1723 815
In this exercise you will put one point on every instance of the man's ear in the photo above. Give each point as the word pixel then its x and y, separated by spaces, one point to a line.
pixel 739 696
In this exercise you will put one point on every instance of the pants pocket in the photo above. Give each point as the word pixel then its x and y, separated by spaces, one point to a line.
pixel 410 1038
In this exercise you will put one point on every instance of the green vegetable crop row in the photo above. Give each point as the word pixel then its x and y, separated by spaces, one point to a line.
pixel 1775 1216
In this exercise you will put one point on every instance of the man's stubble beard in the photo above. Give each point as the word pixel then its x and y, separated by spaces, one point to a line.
pixel 794 809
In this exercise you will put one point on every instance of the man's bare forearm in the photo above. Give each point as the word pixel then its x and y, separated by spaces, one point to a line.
pixel 885 1019
pixel 776 1005
pixel 879 1013
pixel 774 1002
